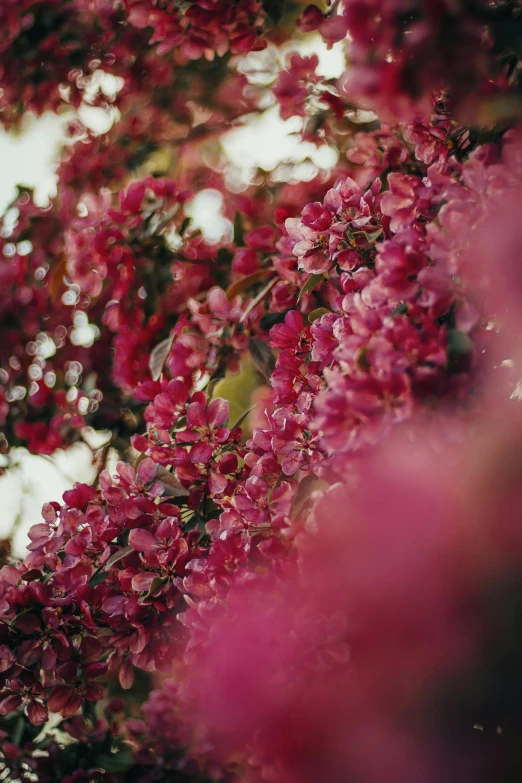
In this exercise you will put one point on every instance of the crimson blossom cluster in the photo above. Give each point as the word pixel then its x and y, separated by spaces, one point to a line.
pixel 310 527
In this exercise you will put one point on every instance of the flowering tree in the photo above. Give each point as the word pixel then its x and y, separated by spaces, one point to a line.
pixel 316 577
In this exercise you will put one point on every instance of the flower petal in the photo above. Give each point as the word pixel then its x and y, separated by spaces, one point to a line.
pixel 142 540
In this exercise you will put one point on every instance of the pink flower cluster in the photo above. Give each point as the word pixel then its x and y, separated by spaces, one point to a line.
pixel 387 340
pixel 297 585
pixel 201 28
pixel 100 604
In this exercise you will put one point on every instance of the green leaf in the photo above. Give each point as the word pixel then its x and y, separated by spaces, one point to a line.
pixel 186 223
pixel 401 309
pixel 224 256
pixel 459 343
pixel 459 348
pixel 317 313
pixel 304 492
pixel 242 418
pixel 210 387
pixel 197 522
pixel 508 34
pixel 239 231
pixel 246 282
pixel 274 9
pixel 309 286
pixel 238 388
pixel 98 577
pixel 18 732
pixel 115 762
pixel 155 585
pixel 271 319
pixel 119 555
pixel 158 357
pixel 371 236
pixel 171 483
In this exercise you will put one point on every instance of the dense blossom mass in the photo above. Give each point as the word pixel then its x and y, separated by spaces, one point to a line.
pixel 305 561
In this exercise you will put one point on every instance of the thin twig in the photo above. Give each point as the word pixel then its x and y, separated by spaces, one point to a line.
pixel 259 298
